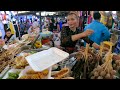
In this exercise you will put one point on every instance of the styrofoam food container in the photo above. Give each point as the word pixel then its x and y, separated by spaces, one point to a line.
pixel 11 71
pixel 45 59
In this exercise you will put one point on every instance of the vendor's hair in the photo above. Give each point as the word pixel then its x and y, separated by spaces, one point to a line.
pixel 72 13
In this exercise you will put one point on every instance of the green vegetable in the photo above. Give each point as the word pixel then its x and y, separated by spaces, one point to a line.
pixel 13 75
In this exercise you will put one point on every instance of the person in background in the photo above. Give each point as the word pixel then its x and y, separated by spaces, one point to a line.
pixel 56 26
pixel 11 26
pixel 2 28
pixel 16 29
pixel 28 24
pixel 2 41
pixel 9 37
pixel 60 24
pixel 5 27
pixel 43 25
pixel 90 18
pixel 70 34
pixel 84 19
pixel 103 17
pixel 110 20
pixel 117 20
pixel 117 26
pixel 34 28
pixel 101 32
pixel 64 23
pixel 22 27
pixel 51 26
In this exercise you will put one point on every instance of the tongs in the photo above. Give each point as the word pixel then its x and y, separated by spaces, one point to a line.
pixel 35 41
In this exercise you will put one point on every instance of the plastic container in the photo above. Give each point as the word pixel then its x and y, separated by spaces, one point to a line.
pixel 45 59
pixel 11 71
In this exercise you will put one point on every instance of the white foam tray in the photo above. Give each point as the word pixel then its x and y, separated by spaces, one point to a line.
pixel 45 59
pixel 4 71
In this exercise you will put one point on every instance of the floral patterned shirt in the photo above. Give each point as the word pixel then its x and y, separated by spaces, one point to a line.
pixel 66 40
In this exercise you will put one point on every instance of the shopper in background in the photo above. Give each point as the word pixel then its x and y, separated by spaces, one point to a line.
pixel 11 26
pixel 5 27
pixel 103 17
pixel 117 26
pixel 56 26
pixel 117 20
pixel 101 32
pixel 60 24
pixel 16 29
pixel 2 28
pixel 70 34
pixel 110 20
pixel 90 18
pixel 34 28
pixel 27 24
pixel 9 37
pixel 22 27
pixel 51 26
pixel 64 23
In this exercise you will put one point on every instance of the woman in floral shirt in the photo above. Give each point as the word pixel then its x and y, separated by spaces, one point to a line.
pixel 70 34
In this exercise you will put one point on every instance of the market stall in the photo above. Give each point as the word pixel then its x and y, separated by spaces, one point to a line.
pixel 21 61
pixel 34 57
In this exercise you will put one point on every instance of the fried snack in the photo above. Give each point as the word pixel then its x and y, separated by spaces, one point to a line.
pixel 35 76
pixel 45 72
pixel 20 62
pixel 63 72
pixel 25 77
pixel 31 72
pixel 41 75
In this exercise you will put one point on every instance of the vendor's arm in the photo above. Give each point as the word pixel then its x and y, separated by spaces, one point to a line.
pixel 68 39
pixel 81 35
pixel 87 40
pixel 93 44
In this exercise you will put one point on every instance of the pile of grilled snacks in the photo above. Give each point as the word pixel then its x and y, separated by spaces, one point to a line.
pixel 7 56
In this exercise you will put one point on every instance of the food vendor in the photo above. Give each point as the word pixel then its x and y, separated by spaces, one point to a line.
pixel 9 37
pixel 70 34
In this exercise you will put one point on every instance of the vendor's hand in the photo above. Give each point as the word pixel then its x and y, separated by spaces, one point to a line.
pixel 87 33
